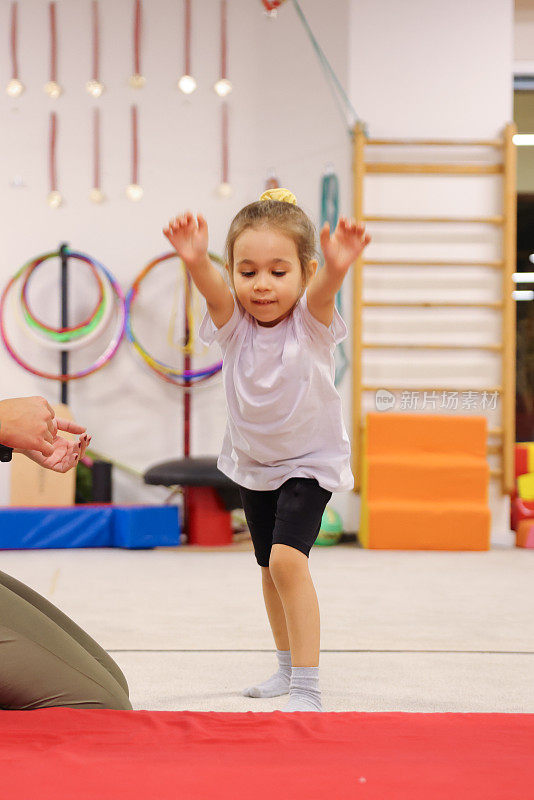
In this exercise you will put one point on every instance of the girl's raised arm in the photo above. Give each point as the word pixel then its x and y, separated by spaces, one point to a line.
pixel 190 240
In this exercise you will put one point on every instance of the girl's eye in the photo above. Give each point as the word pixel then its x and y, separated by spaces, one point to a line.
pixel 248 274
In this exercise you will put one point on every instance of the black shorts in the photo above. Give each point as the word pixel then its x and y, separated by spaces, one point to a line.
pixel 290 515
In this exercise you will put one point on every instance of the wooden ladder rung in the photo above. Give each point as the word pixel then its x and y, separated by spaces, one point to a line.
pixel 397 346
pixel 494 449
pixel 498 220
pixel 424 304
pixel 410 263
pixel 437 142
pixel 432 169
pixel 495 473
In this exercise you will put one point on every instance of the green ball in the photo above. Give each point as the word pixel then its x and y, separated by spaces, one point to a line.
pixel 331 528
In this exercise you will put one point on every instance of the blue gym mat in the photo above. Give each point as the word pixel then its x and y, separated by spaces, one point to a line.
pixel 89 526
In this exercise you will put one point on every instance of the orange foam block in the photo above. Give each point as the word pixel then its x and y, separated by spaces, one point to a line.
pixel 426 433
pixel 425 483
pixel 428 526
pixel 407 476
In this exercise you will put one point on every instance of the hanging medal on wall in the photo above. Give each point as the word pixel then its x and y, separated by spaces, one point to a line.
pixel 134 191
pixel 94 86
pixel 187 84
pixel 96 194
pixel 54 197
pixel 52 87
pixel 137 81
pixel 15 87
pixel 223 86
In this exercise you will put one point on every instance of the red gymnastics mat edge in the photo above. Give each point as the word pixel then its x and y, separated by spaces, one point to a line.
pixel 88 754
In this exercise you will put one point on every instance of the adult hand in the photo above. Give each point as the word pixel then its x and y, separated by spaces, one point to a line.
pixel 69 426
pixel 28 423
pixel 65 454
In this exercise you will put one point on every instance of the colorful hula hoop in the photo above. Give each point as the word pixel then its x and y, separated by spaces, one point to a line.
pixel 109 351
pixel 74 344
pixel 184 378
pixel 71 332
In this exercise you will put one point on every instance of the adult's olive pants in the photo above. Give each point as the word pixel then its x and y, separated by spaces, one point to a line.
pixel 46 660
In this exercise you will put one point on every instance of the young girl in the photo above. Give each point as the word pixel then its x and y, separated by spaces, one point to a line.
pixel 285 443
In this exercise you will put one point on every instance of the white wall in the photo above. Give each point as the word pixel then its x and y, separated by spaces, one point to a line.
pixel 416 69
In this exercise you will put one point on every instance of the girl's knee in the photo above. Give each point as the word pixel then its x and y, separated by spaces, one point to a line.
pixel 286 562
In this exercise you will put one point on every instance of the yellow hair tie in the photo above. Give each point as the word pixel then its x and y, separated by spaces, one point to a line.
pixel 282 195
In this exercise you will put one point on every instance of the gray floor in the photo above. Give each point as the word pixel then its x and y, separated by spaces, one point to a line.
pixel 401 631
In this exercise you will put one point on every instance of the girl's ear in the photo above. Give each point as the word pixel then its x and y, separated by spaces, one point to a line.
pixel 312 268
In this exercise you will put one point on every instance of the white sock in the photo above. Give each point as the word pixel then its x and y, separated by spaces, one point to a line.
pixel 304 694
pixel 278 683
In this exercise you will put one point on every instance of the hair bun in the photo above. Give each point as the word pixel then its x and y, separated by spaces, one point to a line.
pixel 282 195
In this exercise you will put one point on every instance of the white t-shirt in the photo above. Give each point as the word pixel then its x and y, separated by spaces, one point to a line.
pixel 285 415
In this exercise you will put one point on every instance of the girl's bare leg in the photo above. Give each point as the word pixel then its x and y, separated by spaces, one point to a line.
pixel 275 610
pixel 278 683
pixel 290 573
pixel 291 576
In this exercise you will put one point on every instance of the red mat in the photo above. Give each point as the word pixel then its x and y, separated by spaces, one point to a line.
pixel 57 754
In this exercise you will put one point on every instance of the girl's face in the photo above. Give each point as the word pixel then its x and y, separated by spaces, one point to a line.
pixel 268 277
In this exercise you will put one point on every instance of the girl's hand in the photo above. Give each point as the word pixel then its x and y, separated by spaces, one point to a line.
pixel 189 240
pixel 343 248
pixel 65 455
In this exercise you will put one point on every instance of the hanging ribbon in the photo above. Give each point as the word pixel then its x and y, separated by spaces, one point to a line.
pixel 223 38
pixel 330 214
pixel 225 164
pixel 52 88
pixel 134 190
pixel 187 42
pixel 137 81
pixel 94 87
pixel 53 41
pixel 14 87
pixel 137 33
pixel 96 195
pixel 187 83
pixel 223 85
pixel 54 197
pixel 135 146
